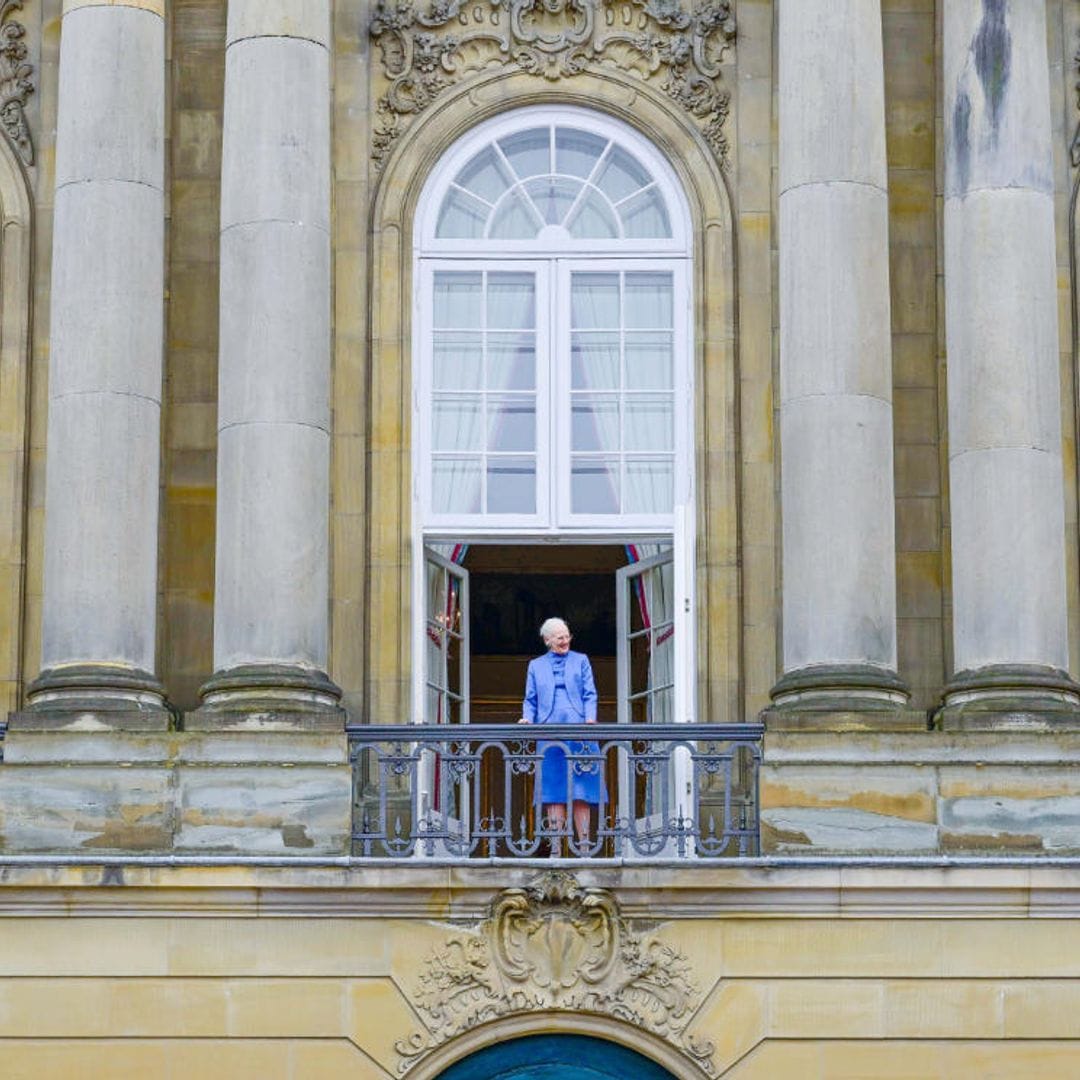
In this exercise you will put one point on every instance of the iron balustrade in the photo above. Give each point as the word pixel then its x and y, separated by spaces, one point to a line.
pixel 472 791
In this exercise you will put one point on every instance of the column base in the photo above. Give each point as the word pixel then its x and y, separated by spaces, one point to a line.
pixel 1010 697
pixel 842 697
pixel 94 697
pixel 268 697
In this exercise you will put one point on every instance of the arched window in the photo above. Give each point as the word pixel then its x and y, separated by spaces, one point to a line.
pixel 552 350
pixel 553 395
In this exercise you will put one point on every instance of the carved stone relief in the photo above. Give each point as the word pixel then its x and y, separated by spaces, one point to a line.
pixel 1074 149
pixel 15 80
pixel 555 946
pixel 425 52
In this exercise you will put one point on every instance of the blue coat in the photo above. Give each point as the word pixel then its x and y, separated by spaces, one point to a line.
pixel 540 688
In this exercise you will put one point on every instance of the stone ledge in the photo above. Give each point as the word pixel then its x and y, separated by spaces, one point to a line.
pixel 905 888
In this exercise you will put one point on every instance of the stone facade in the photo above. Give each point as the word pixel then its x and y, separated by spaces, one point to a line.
pixel 207 535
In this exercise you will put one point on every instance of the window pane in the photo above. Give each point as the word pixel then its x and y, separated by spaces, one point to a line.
pixel 514 220
pixel 457 299
pixel 645 216
pixel 456 423
pixel 511 362
pixel 649 486
pixel 649 361
pixel 650 422
pixel 461 217
pixel 455 485
pixel 576 152
pixel 593 220
pixel 511 302
pixel 594 422
pixel 621 175
pixel 485 175
pixel 594 301
pixel 458 361
pixel 649 301
pixel 553 197
pixel 594 485
pixel 512 423
pixel 511 485
pixel 594 361
pixel 529 152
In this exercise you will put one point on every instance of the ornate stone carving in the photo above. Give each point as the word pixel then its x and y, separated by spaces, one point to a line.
pixel 555 945
pixel 681 50
pixel 15 83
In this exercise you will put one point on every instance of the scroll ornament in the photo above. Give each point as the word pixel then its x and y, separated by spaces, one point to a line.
pixel 555 946
pixel 425 52
pixel 15 81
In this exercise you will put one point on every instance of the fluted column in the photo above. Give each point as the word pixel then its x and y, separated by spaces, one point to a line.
pixel 272 572
pixel 103 450
pixel 1010 640
pixel 839 575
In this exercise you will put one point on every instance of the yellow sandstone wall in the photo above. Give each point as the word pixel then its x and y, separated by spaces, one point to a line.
pixel 309 973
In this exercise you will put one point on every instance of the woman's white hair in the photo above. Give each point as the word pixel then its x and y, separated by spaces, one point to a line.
pixel 551 627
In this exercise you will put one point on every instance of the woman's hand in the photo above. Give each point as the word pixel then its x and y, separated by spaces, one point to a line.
pixel 524 720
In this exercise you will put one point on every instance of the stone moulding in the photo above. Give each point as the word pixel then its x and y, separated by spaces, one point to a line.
pixel 681 51
pixel 15 80
pixel 554 945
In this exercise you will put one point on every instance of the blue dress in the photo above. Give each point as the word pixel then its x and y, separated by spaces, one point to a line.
pixel 588 776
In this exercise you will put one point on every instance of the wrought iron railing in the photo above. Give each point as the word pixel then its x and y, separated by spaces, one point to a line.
pixel 668 791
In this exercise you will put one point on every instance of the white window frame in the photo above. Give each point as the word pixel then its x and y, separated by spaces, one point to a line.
pixel 554 258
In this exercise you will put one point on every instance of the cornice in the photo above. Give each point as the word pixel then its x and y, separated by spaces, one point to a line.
pixel 883 888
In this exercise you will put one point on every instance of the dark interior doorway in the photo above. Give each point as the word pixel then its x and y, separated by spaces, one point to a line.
pixel 513 589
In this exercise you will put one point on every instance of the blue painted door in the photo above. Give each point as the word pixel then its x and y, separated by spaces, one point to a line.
pixel 556 1057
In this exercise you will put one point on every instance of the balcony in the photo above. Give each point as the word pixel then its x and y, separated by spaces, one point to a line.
pixel 448 792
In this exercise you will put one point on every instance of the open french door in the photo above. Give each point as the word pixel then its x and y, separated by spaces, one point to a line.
pixel 654 792
pixel 444 795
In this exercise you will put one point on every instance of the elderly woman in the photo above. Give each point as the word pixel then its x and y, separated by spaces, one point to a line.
pixel 559 689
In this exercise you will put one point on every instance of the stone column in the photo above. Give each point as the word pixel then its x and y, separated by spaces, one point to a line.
pixel 839 572
pixel 1010 639
pixel 101 484
pixel 271 613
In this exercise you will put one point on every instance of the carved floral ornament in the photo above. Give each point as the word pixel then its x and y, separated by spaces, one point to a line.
pixel 555 946
pixel 15 82
pixel 680 50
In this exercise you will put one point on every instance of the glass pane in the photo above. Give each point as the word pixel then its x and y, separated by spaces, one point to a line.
pixel 511 424
pixel 594 301
pixel 594 361
pixel 594 422
pixel 456 422
pixel 461 217
pixel 649 361
pixel 650 422
pixel 577 152
pixel 553 197
pixel 511 485
pixel 593 220
pixel 594 485
pixel 485 175
pixel 621 175
pixel 436 591
pixel 511 362
pixel 511 302
pixel 645 216
pixel 649 486
pixel 457 299
pixel 639 652
pixel 514 220
pixel 649 301
pixel 458 361
pixel 455 485
pixel 433 705
pixel 529 152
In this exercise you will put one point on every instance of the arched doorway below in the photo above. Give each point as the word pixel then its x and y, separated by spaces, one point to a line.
pixel 556 1057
